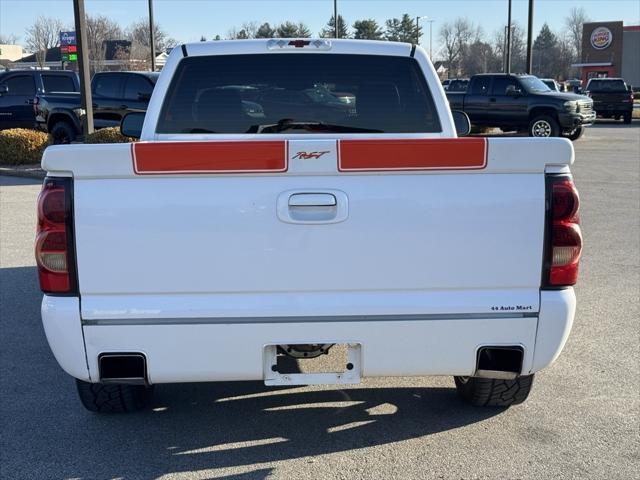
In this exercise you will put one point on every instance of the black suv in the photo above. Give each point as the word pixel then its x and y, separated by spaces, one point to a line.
pixel 114 94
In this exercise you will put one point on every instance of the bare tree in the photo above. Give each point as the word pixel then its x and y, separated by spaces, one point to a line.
pixel 138 35
pixel 573 23
pixel 455 37
pixel 518 49
pixel 100 29
pixel 251 29
pixel 247 30
pixel 43 35
pixel 8 39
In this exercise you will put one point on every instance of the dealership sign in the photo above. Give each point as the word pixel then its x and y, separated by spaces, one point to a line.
pixel 601 38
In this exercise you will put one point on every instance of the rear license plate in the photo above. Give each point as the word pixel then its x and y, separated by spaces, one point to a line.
pixel 340 365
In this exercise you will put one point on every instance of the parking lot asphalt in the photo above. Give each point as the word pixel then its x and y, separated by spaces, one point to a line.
pixel 581 420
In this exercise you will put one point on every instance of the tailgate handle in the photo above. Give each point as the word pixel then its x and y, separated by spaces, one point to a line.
pixel 312 206
pixel 312 200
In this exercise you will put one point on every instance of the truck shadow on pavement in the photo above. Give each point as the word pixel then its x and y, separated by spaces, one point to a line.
pixel 189 427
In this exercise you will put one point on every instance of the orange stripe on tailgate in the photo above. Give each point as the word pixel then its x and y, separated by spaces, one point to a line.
pixel 413 154
pixel 209 157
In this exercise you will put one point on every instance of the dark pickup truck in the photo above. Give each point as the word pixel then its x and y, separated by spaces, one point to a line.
pixel 523 103
pixel 18 89
pixel 612 98
pixel 114 94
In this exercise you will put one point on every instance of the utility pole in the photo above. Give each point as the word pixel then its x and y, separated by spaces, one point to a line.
pixel 509 40
pixel 335 18
pixel 530 39
pixel 152 37
pixel 83 66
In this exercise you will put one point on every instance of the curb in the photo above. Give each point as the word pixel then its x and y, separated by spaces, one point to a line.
pixel 33 172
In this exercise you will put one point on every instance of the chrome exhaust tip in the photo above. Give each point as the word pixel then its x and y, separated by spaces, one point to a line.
pixel 129 368
pixel 499 362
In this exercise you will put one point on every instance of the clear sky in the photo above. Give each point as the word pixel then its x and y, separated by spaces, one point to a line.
pixel 188 20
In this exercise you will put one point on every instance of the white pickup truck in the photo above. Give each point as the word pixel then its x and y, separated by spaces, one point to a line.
pixel 293 202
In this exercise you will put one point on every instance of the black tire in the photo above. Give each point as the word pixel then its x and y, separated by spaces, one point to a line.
pixel 489 392
pixel 113 398
pixel 62 132
pixel 576 134
pixel 544 126
pixel 627 118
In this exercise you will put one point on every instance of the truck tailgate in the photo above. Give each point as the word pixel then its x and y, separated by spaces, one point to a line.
pixel 316 235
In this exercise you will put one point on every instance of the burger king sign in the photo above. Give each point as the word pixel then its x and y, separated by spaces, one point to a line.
pixel 601 38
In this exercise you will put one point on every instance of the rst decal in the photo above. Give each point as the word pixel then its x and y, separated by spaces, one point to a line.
pixel 308 155
pixel 412 154
pixel 157 158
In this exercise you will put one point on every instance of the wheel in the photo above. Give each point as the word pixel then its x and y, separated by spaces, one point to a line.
pixel 627 118
pixel 575 134
pixel 62 132
pixel 544 126
pixel 489 392
pixel 617 117
pixel 113 398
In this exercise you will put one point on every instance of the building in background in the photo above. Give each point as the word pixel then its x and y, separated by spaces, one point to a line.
pixel 609 49
pixel 9 53
pixel 116 55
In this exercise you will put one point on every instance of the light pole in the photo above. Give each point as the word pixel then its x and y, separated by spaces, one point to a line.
pixel 506 54
pixel 509 27
pixel 530 38
pixel 418 28
pixel 431 39
pixel 152 39
pixel 335 18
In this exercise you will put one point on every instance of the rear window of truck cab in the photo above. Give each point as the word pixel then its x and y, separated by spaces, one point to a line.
pixel 607 86
pixel 298 93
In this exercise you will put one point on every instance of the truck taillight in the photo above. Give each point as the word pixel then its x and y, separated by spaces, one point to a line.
pixel 564 237
pixel 55 252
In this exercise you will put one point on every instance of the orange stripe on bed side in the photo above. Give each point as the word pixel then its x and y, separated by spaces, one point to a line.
pixel 412 154
pixel 209 157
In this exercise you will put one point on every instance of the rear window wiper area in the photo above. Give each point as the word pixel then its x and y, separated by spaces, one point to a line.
pixel 286 124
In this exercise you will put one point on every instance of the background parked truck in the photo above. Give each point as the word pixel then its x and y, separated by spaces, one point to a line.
pixel 523 103
pixel 114 94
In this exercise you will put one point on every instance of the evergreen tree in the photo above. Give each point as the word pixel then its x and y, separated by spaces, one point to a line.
pixel 265 31
pixel 293 30
pixel 546 54
pixel 329 30
pixel 287 30
pixel 367 30
pixel 546 39
pixel 303 31
pixel 403 30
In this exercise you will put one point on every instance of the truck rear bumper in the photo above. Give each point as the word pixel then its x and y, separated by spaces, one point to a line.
pixel 200 350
